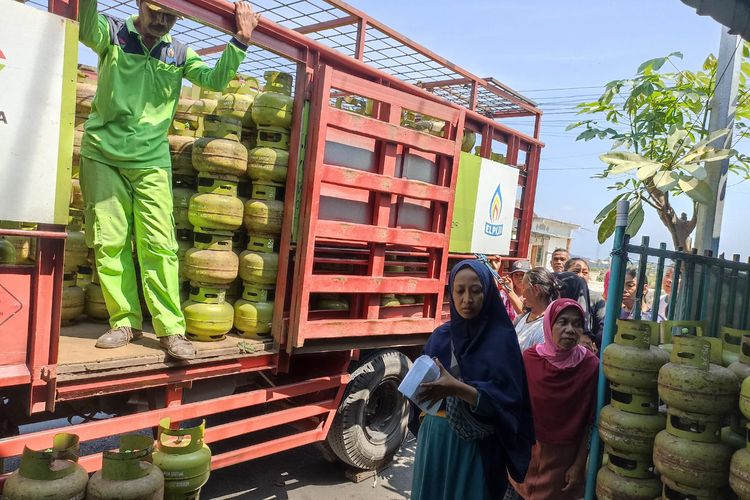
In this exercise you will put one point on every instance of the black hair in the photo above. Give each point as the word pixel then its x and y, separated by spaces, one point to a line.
pixel 632 273
pixel 546 281
pixel 571 261
pixel 561 250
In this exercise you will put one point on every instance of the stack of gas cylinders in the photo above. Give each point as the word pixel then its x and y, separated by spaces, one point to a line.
pixel 629 424
pixel 246 132
pixel 175 467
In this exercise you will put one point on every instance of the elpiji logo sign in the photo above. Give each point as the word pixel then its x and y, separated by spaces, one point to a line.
pixel 493 226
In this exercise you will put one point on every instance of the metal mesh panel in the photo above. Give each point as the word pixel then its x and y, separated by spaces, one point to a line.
pixel 382 50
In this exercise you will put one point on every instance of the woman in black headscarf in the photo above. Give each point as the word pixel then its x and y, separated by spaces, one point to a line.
pixel 485 425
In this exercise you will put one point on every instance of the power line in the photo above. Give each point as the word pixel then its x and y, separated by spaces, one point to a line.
pixel 563 88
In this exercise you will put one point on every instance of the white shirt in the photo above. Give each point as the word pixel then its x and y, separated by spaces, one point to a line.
pixel 529 334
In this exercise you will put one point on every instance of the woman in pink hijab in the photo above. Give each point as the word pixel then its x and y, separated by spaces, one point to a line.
pixel 562 377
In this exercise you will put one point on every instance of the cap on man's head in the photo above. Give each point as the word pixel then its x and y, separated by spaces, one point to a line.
pixel 520 266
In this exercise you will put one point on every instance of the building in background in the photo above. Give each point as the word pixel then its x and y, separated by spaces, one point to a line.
pixel 547 235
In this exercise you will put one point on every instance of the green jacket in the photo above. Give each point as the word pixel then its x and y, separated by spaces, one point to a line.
pixel 138 90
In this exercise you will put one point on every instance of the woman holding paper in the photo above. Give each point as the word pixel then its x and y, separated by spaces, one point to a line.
pixel 562 382
pixel 484 426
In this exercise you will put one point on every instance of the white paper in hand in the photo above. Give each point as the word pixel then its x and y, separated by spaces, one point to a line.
pixel 423 370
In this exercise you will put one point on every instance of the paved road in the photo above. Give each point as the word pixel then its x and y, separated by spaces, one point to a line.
pixel 303 474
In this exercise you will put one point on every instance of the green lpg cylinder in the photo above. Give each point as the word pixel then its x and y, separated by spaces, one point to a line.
pixel 219 156
pixel 611 486
pixel 222 127
pixel 689 382
pixel 185 460
pixel 629 432
pixel 211 267
pixel 22 246
pixel 745 398
pixel 181 195
pixel 741 367
pixel 332 302
pixel 208 317
pixel 253 318
pixel 675 490
pixel 96 308
pixel 264 216
pixel 7 252
pixel 238 101
pixel 731 339
pixel 692 463
pixel 225 185
pixel 73 300
pixel 51 474
pixel 273 137
pixel 732 439
pixel 84 277
pixel 128 474
pixel 267 164
pixel 214 211
pixel 634 399
pixel 627 464
pixel 181 152
pixel 76 251
pixel 739 472
pixel 212 239
pixel 274 105
pixel 468 141
pixel 632 360
pixel 389 300
pixel 259 267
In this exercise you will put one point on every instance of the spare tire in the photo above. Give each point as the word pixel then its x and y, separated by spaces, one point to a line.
pixel 370 424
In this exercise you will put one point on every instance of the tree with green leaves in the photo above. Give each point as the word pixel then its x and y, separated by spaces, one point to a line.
pixel 657 123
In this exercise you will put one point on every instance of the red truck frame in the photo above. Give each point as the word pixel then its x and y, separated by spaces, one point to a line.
pixel 303 379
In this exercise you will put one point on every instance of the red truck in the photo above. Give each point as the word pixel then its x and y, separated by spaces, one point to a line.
pixel 323 375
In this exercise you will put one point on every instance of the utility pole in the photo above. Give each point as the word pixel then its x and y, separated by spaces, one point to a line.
pixel 723 107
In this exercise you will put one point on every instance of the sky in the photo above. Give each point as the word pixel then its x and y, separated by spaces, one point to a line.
pixel 536 46
pixel 558 54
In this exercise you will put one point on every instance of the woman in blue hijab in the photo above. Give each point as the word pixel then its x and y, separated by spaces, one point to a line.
pixel 484 427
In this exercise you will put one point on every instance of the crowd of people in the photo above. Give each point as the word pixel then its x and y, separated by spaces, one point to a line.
pixel 518 367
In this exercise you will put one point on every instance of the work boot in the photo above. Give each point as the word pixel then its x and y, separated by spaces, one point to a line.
pixel 118 337
pixel 178 346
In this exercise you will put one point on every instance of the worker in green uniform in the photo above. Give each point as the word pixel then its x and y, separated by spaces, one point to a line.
pixel 125 172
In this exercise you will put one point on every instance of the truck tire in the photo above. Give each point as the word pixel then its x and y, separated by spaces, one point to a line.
pixel 370 424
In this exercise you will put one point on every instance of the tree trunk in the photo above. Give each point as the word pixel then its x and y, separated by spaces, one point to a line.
pixel 679 227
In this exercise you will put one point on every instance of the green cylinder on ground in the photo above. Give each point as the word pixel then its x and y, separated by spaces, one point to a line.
pixel 185 460
pixel 51 474
pixel 128 474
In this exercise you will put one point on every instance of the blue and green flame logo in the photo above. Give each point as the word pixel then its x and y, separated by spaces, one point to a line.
pixel 493 227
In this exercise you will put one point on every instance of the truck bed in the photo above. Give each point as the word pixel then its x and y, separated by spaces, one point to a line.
pixel 78 358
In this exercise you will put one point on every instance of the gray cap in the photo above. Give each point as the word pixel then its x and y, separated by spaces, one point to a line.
pixel 522 266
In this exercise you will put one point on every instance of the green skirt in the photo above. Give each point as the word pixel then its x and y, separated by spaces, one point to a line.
pixel 446 467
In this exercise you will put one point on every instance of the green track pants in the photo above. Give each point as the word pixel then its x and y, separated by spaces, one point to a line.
pixel 122 204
